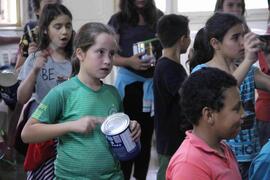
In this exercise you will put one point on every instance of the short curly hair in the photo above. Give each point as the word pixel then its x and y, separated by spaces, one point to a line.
pixel 204 88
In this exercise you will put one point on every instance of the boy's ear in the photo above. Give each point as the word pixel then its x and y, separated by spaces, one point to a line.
pixel 181 40
pixel 80 54
pixel 207 115
pixel 215 43
pixel 184 40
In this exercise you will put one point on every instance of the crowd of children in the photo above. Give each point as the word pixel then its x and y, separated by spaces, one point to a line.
pixel 42 70
pixel 206 124
pixel 134 23
pixel 174 35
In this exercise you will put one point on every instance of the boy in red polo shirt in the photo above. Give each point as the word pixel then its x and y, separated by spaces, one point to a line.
pixel 210 101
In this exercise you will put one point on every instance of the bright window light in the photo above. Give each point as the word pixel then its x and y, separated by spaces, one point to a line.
pixel 209 5
pixel 161 4
pixel 195 5
pixel 253 4
pixel 9 12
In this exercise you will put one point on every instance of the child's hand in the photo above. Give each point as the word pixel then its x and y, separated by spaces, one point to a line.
pixel 138 64
pixel 252 46
pixel 32 47
pixel 86 124
pixel 41 59
pixel 148 60
pixel 135 130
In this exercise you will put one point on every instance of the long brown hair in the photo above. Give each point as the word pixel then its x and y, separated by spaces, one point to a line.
pixel 49 13
pixel 219 6
pixel 129 12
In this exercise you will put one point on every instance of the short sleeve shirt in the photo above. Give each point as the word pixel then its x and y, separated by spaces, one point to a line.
pixel 196 160
pixel 52 74
pixel 246 144
pixel 81 156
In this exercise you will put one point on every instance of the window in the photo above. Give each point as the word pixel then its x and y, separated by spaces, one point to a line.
pixel 199 11
pixel 209 5
pixel 195 5
pixel 161 4
pixel 9 12
pixel 252 4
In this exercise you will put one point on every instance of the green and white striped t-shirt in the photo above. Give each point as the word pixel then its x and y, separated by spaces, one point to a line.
pixel 81 156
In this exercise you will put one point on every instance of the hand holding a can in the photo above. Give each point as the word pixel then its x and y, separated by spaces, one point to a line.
pixel 149 59
pixel 252 46
pixel 265 39
pixel 123 135
pixel 138 63
pixel 86 124
pixel 135 128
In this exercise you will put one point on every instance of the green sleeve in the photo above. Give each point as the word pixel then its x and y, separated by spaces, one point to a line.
pixel 50 108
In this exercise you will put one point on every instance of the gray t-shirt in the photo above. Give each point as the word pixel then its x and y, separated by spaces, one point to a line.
pixel 52 74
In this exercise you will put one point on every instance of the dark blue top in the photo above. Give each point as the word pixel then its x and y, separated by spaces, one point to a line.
pixel 168 78
pixel 130 34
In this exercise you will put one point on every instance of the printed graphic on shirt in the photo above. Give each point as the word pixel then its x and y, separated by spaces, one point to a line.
pixel 246 144
pixel 112 109
pixel 50 74
pixel 41 109
pixel 249 117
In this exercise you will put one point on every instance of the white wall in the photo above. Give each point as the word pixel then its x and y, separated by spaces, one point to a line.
pixel 89 11
pixel 84 11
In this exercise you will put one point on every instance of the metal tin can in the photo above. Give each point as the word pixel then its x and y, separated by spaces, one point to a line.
pixel 138 48
pixel 117 132
pixel 144 46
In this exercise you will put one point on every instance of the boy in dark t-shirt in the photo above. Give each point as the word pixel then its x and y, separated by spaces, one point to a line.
pixel 173 33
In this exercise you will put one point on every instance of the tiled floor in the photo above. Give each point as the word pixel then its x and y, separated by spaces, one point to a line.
pixel 153 166
pixel 14 171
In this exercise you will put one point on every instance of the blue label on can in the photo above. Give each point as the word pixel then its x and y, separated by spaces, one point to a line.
pixel 123 146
